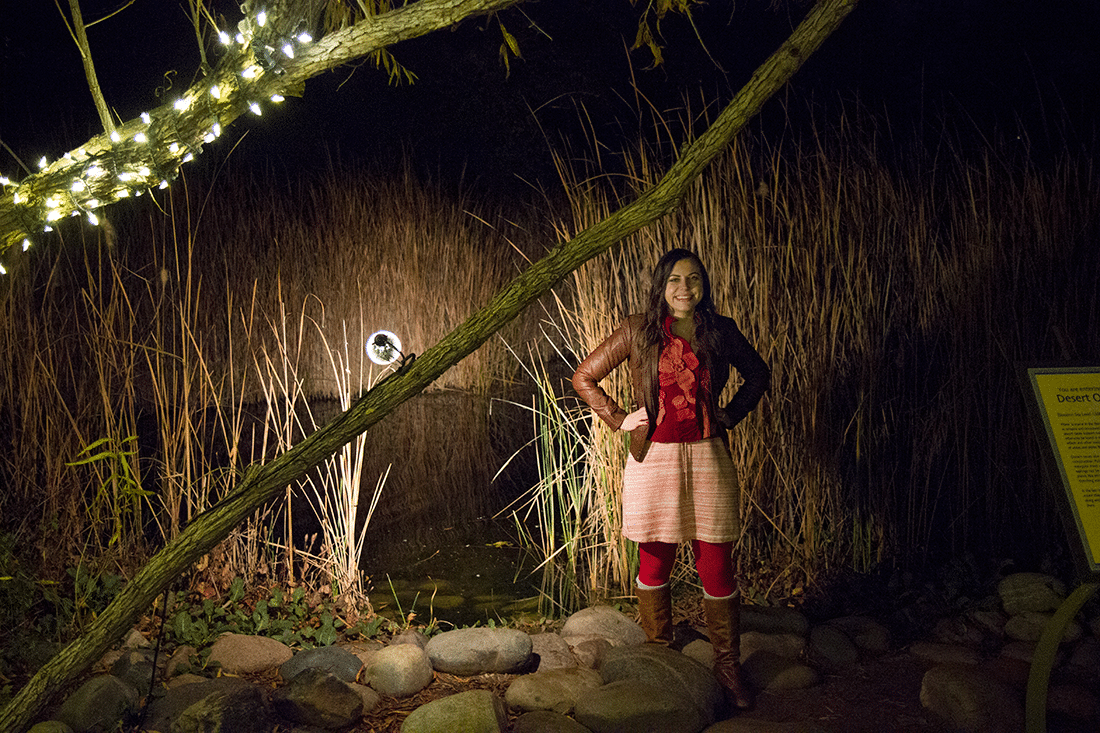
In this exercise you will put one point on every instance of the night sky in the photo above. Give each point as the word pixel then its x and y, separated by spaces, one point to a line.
pixel 991 65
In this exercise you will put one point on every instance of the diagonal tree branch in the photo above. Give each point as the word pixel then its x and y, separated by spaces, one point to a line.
pixel 263 482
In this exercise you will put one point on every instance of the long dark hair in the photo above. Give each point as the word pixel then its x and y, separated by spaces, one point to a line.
pixel 651 337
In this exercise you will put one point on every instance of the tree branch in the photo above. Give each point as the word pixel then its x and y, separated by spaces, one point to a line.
pixel 262 483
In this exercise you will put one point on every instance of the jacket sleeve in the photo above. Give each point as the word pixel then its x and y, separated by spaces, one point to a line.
pixel 597 365
pixel 753 370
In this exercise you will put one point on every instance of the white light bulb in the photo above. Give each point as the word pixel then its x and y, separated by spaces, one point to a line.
pixel 17 197
pixel 26 244
pixel 140 138
pixel 261 18
pixel 174 148
pixel 145 117
pixel 42 163
pixel 123 193
pixel 92 204
pixel 216 92
pixel 93 219
pixel 115 137
pixel 288 51
pixel 240 38
pixel 304 37
pixel 255 107
pixel 47 228
pixel 217 129
pixel 209 138
pixel 277 97
pixel 163 185
pixel 144 171
pixel 250 72
pixel 4 181
pixel 54 215
pixel 182 104
pixel 95 171
pixel 3 270
pixel 224 37
pixel 188 158
pixel 79 186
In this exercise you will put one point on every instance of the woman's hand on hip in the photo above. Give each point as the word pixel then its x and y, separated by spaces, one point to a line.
pixel 634 420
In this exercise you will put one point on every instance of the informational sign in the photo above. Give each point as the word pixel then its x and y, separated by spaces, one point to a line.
pixel 1069 403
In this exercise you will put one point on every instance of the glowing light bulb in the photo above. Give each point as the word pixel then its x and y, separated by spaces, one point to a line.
pixel 240 38
pixel 144 171
pixel 145 117
pixel 47 228
pixel 26 244
pixel 288 51
pixel 182 104
pixel 3 270
pixel 17 197
pixel 255 107
pixel 93 219
pixel 261 18
pixel 79 185
pixel 304 37
pixel 92 204
pixel 42 163
pixel 115 137
pixel 123 193
pixel 95 171
pixel 216 92
pixel 217 129
pixel 277 98
pixel 383 347
pixel 188 158
pixel 224 38
pixel 4 181
pixel 163 185
pixel 54 215
pixel 251 72
pixel 140 138
pixel 209 137
pixel 174 148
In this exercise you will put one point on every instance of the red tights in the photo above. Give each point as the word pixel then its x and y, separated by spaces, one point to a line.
pixel 714 563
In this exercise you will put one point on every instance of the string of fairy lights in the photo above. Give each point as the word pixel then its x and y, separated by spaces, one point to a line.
pixel 146 153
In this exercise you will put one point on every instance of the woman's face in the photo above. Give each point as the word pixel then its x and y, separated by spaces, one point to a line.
pixel 684 288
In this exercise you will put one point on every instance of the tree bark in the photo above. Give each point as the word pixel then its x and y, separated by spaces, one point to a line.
pixel 260 483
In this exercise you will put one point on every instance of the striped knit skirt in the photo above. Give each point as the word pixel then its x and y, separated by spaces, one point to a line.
pixel 681 491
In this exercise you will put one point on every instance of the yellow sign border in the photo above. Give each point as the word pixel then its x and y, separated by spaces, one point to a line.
pixel 1068 401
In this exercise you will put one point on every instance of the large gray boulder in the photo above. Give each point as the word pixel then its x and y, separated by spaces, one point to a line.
pixel 318 697
pixel 474 711
pixel 244 654
pixel 467 652
pixel 630 706
pixel 179 697
pixel 400 670
pixel 971 701
pixel 555 689
pixel 334 659
pixel 668 670
pixel 240 710
pixel 98 705
pixel 1023 592
pixel 604 622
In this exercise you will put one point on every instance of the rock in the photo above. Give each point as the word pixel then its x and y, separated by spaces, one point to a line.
pixel 50 726
pixel 466 652
pixel 186 678
pixel 244 654
pixel 99 704
pixel 992 622
pixel 364 650
pixel 867 634
pixel 971 702
pixel 605 622
pixel 1029 626
pixel 767 671
pixel 590 651
pixel 1074 701
pixel 335 659
pixel 830 649
pixel 369 697
pixel 556 689
pixel 180 661
pixel 400 670
pixel 474 711
pixel 135 668
pixel 410 636
pixel 747 725
pixel 773 620
pixel 553 652
pixel 1023 592
pixel 669 671
pixel 630 706
pixel 165 709
pixel 943 653
pixel 545 721
pixel 318 697
pixel 781 644
pixel 702 651
pixel 243 710
pixel 135 640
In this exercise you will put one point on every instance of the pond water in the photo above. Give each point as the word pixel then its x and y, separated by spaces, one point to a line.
pixel 461 577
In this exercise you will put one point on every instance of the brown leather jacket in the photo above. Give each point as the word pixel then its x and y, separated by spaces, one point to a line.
pixel 735 352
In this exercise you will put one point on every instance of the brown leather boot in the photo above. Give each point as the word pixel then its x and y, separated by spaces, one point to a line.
pixel 655 607
pixel 724 626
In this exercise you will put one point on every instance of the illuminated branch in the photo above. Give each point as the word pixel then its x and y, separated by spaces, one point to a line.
pixel 269 57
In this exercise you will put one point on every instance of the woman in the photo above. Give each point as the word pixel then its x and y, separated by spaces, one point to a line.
pixel 679 483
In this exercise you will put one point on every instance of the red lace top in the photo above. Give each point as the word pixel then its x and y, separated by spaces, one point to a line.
pixel 680 378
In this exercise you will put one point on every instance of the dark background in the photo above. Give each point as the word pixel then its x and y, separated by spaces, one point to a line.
pixel 1008 69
